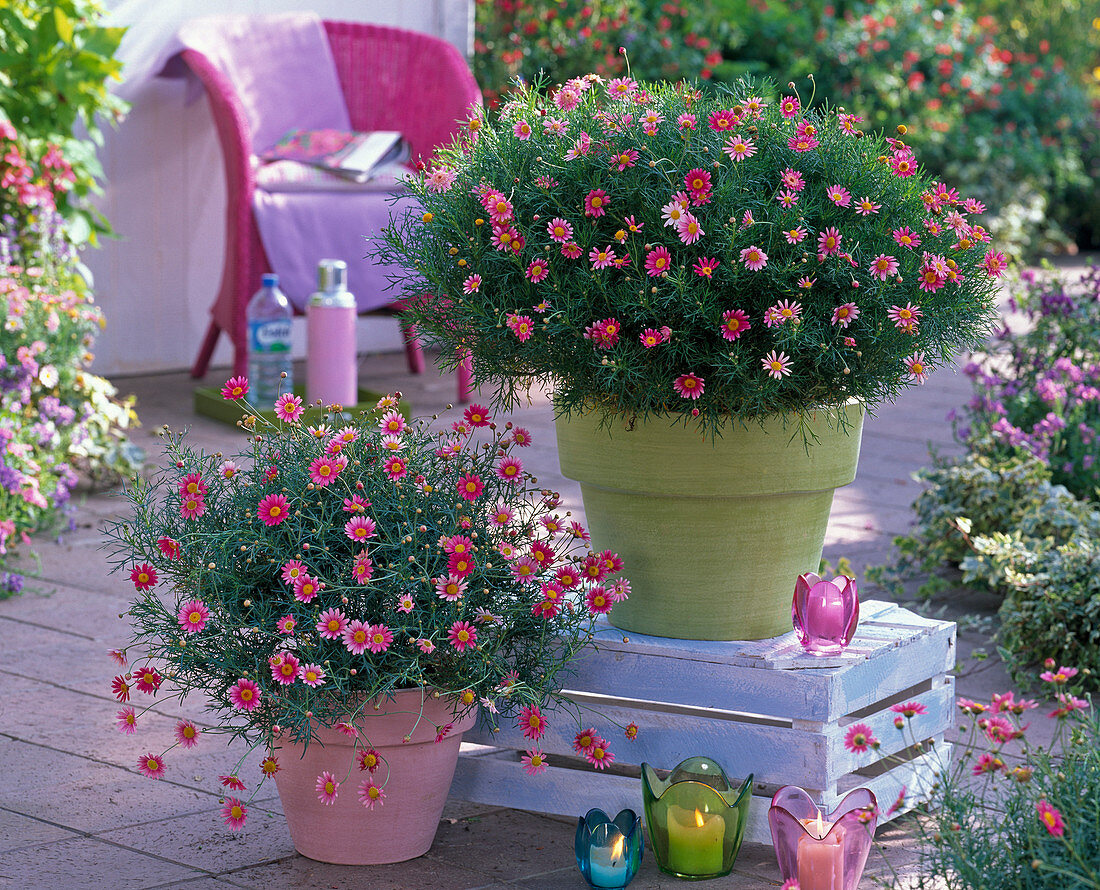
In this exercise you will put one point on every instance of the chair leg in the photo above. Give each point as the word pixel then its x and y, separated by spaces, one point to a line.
pixel 202 360
pixel 463 373
pixel 240 361
pixel 413 352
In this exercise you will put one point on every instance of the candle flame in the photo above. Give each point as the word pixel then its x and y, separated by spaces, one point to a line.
pixel 698 818
pixel 820 825
pixel 617 848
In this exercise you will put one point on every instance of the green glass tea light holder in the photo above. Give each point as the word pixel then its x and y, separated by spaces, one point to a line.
pixel 696 818
pixel 609 851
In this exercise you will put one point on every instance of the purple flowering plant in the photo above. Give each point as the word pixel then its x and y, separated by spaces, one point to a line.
pixel 654 248
pixel 1039 389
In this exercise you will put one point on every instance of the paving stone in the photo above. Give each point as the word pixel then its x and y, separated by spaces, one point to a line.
pixel 18 831
pixel 85 796
pixel 202 883
pixel 425 872
pixel 202 840
pixel 84 864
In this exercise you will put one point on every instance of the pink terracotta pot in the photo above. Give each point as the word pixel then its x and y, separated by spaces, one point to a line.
pixel 419 772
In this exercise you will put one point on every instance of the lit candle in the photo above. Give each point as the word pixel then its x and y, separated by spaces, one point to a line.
pixel 820 857
pixel 696 841
pixel 607 866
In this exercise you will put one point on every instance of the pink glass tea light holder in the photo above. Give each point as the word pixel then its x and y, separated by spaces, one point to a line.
pixel 822 852
pixel 825 613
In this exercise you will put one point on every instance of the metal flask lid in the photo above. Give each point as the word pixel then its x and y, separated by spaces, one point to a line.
pixel 332 281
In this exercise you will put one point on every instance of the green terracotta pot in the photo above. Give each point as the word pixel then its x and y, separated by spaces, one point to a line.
pixel 713 534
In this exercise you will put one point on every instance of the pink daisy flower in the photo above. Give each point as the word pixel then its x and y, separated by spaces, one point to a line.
pixel 783 311
pixel 657 261
pixel 460 564
pixel 1051 818
pixel 470 486
pixel 324 470
pixel 795 236
pixel 235 388
pixel 510 469
pixel 477 416
pixel 292 571
pixel 151 765
pixel 723 120
pixel 273 510
pixel 883 266
pixel 379 637
pixel 675 209
pixel 286 625
pixel 859 738
pixel 595 203
pixel 306 589
pixel 534 762
pixel 905 317
pixel 499 209
pixel 359 528
pixel 689 386
pixel 792 179
pixel 754 258
pixel 472 284
pixel 288 407
pixel 689 229
pixel 396 467
pixel 120 688
pixel 170 547
pixel 777 365
pixel 369 760
pixel 440 180
pixel 362 568
pixel 244 695
pixel 392 423
pixel 994 263
pixel 537 271
pixel 450 588
pixel 228 469
pixel 601 259
pixel 144 576
pixel 789 106
pixel 532 722
pixel 502 515
pixel 650 338
pixel 356 637
pixel 327 788
pixel 232 782
pixel 127 721
pixel 734 323
pixel 311 674
pixel 284 668
pixel 525 570
pixel 462 636
pixel 845 314
pixel 521 437
pixel 522 326
pixel 838 195
pixel 370 794
pixel 906 237
pixel 148 680
pixel 698 185
pixel 916 367
pixel 787 199
pixel 559 230
pixel 522 130
pixel 331 624
pixel 192 616
pixel 504 237
pixel 865 207
pixel 624 160
pixel 903 163
pixel 599 755
pixel 739 148
pixel 599 601
pixel 802 142
pixel 234 813
pixel 828 242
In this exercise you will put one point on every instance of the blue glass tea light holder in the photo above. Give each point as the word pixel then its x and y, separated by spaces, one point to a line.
pixel 609 851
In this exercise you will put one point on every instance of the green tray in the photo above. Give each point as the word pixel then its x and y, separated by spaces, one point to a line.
pixel 209 403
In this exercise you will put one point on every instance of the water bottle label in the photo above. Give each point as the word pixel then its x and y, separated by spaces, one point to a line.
pixel 269 336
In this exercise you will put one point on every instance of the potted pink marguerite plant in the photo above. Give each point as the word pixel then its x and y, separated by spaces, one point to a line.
pixel 717 284
pixel 348 597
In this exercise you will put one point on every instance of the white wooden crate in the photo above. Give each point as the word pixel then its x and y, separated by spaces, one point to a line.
pixel 762 707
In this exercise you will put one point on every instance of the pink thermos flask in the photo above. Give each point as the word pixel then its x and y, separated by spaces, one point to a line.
pixel 331 373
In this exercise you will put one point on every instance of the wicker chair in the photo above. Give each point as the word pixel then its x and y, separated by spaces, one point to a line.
pixel 392 80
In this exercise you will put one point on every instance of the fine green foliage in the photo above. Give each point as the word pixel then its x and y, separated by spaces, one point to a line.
pixel 433 547
pixel 55 62
pixel 767 309
pixel 1009 814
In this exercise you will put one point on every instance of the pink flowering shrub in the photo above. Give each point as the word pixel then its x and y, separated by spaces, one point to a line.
pixel 652 248
pixel 1012 811
pixel 325 567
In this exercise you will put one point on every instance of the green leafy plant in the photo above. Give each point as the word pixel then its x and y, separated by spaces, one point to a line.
pixel 55 61
pixel 323 568
pixel 652 249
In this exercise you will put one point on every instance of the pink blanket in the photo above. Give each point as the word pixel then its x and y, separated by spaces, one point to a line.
pixel 283 71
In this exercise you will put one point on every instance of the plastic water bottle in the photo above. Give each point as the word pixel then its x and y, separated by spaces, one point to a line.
pixel 269 317
pixel 331 373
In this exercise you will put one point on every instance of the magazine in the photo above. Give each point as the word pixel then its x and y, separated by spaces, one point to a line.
pixel 358 156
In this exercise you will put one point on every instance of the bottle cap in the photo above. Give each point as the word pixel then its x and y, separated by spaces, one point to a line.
pixel 269 279
pixel 332 275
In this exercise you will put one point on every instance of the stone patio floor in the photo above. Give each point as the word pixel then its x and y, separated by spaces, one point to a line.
pixel 74 813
